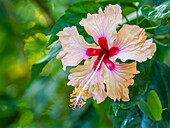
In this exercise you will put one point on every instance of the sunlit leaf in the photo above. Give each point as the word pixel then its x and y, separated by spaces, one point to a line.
pixel 34 44
pixel 160 11
pixel 152 108
pixel 37 68
pixel 26 118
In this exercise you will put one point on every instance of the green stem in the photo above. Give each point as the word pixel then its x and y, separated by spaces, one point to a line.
pixel 156 41
pixel 120 25
pixel 141 21
pixel 159 43
pixel 153 27
pixel 164 109
pixel 126 18
pixel 137 20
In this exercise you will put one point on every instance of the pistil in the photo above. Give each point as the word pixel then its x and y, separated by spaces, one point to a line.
pixel 78 97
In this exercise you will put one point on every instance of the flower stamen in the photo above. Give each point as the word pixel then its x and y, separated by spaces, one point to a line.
pixel 78 97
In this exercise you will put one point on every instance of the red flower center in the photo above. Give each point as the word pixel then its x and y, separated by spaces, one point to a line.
pixel 102 41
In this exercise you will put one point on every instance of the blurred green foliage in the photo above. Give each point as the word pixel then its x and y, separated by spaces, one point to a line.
pixel 33 90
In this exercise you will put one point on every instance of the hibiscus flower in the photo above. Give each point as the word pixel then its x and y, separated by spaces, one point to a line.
pixel 100 64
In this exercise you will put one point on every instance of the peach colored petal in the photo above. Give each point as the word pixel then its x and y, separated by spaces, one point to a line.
pixel 133 45
pixel 103 23
pixel 118 80
pixel 74 47
pixel 82 73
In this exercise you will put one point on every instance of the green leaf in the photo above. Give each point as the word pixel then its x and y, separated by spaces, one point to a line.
pixel 133 117
pixel 139 88
pixel 105 105
pixel 74 15
pixel 34 44
pixel 160 11
pixel 115 107
pixel 148 123
pixel 153 107
pixel 128 118
pixel 166 19
pixel 37 68
pixel 160 83
pixel 26 118
pixel 52 39
pixel 3 107
pixel 39 95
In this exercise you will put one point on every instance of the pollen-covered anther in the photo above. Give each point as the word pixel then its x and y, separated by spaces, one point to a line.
pixel 78 97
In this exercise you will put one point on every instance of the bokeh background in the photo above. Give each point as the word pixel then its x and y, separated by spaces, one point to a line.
pixel 30 100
